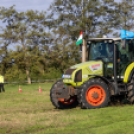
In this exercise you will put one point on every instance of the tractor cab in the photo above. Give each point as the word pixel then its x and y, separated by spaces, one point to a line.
pixel 115 58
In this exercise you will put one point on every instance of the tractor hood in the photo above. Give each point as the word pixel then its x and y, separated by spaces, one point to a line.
pixel 82 64
pixel 80 73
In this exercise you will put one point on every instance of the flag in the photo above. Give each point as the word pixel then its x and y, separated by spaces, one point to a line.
pixel 79 41
pixel 126 34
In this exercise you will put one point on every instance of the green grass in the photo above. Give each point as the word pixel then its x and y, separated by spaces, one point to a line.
pixel 31 112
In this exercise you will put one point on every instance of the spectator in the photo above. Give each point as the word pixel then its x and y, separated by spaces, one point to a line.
pixel 2 83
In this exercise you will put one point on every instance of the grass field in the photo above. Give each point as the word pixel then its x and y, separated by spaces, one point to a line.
pixel 31 112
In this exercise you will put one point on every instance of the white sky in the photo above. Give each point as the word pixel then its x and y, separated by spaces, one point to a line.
pixel 23 5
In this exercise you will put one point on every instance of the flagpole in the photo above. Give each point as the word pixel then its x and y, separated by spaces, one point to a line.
pixel 84 51
pixel 84 45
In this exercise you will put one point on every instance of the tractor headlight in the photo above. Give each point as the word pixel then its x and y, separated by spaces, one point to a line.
pixel 67 76
pixel 68 73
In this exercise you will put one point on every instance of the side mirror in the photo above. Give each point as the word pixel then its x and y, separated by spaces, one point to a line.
pixel 123 43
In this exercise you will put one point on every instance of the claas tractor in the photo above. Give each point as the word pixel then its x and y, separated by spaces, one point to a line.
pixel 107 70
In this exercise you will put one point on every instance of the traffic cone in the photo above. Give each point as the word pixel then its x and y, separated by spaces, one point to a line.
pixel 19 89
pixel 40 90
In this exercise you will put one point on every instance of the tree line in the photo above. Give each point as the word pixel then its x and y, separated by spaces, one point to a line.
pixel 41 45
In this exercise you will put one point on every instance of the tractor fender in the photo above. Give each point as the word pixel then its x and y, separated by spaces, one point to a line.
pixel 110 85
pixel 128 73
pixel 131 74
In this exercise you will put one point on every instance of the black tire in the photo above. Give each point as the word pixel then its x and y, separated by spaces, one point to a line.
pixel 87 87
pixel 130 88
pixel 55 100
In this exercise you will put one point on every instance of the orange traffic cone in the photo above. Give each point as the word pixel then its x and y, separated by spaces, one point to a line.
pixel 40 90
pixel 19 89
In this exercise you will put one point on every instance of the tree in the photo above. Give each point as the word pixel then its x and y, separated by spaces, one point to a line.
pixel 27 30
pixel 119 15
pixel 63 53
pixel 7 37
pixel 77 15
pixel 67 19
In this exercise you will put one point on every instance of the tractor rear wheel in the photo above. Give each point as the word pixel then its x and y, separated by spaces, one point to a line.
pixel 59 103
pixel 94 94
pixel 130 88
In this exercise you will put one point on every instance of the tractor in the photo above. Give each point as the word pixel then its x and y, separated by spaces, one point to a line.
pixel 107 70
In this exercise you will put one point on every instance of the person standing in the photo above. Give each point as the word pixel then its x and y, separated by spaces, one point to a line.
pixel 2 83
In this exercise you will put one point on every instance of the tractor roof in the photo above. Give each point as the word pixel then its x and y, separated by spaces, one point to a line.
pixel 93 39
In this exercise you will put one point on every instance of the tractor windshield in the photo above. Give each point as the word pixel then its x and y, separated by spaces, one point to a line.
pixel 101 50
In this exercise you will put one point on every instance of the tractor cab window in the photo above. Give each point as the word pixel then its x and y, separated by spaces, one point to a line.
pixel 101 51
pixel 124 54
pixel 124 58
pixel 131 49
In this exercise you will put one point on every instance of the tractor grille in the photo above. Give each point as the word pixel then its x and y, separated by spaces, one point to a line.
pixel 78 76
pixel 69 71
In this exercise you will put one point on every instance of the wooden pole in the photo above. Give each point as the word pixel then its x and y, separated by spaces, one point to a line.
pixel 84 46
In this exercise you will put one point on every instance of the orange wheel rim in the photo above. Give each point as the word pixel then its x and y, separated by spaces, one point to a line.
pixel 68 102
pixel 95 95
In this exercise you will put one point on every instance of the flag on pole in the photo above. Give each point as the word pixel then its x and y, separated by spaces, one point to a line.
pixel 79 41
pixel 126 34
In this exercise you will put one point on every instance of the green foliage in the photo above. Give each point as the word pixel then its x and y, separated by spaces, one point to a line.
pixel 14 74
pixel 52 73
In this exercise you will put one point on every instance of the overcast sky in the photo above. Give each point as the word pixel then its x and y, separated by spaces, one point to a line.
pixel 23 5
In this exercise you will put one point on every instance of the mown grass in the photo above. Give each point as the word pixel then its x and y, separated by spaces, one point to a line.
pixel 31 112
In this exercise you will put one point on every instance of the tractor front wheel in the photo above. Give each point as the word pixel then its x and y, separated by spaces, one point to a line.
pixel 94 94
pixel 61 103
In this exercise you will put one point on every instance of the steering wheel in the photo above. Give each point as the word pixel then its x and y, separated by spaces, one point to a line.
pixel 100 58
pixel 104 59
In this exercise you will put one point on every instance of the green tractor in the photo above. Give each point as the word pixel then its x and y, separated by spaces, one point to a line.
pixel 107 70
